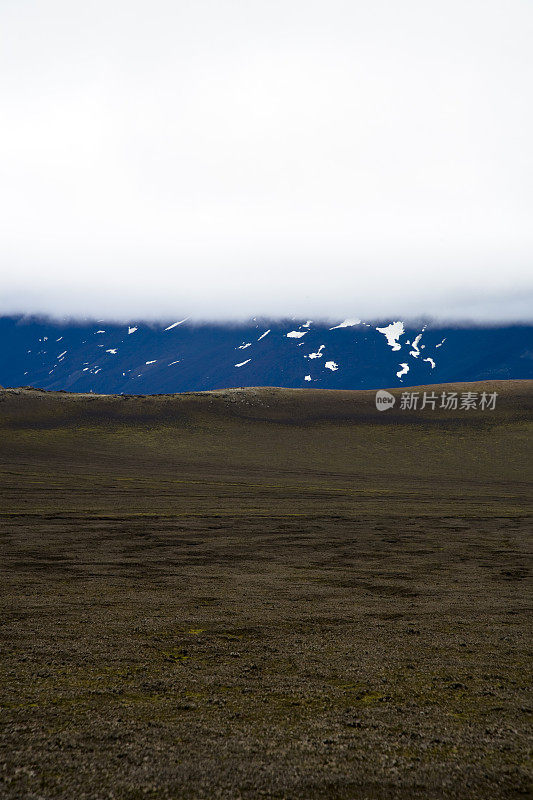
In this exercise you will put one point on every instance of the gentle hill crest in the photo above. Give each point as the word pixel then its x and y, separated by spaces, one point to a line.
pixel 512 397
pixel 331 446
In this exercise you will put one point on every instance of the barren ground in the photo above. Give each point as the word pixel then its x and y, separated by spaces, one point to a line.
pixel 264 594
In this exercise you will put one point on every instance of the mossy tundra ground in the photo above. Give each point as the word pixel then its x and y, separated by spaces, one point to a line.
pixel 264 594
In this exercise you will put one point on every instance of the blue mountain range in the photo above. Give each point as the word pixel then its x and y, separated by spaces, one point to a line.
pixel 182 355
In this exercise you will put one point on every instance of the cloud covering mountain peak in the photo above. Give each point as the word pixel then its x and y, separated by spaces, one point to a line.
pixel 222 160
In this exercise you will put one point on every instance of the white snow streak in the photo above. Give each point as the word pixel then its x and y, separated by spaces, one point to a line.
pixel 348 323
pixel 176 323
pixel 415 352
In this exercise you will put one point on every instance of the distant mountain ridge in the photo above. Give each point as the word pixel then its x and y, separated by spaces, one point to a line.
pixel 182 355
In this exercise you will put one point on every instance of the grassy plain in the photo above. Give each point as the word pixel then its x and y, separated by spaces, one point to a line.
pixel 264 593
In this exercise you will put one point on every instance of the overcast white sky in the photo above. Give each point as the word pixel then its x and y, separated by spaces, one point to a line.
pixel 267 157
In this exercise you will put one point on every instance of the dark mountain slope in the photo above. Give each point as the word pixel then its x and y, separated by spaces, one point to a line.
pixel 142 358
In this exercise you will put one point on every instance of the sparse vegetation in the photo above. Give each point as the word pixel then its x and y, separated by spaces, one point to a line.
pixel 264 593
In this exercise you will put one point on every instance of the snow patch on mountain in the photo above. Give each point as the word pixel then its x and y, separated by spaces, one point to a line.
pixel 318 353
pixel 392 333
pixel 415 352
pixel 403 371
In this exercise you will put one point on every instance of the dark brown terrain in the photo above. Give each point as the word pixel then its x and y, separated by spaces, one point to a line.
pixel 264 593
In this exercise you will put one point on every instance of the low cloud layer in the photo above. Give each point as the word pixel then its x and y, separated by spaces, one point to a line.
pixel 227 160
